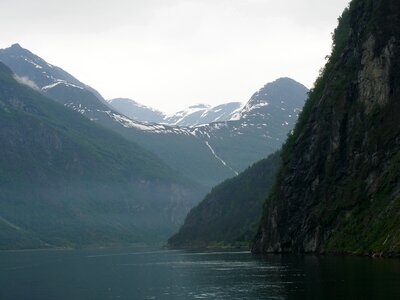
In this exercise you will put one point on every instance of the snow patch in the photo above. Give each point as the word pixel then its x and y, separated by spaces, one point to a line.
pixel 149 127
pixel 33 63
pixel 219 158
pixel 50 86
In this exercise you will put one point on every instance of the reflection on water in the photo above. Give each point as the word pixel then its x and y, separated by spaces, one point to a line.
pixel 131 274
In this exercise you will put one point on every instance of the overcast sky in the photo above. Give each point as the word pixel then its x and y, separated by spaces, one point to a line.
pixel 173 53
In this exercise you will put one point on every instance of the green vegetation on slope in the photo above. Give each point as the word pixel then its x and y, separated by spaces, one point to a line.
pixel 66 181
pixel 228 214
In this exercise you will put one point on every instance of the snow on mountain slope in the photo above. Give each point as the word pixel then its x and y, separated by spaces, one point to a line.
pixel 202 114
pixel 188 116
pixel 194 115
pixel 69 91
pixel 283 97
pixel 257 129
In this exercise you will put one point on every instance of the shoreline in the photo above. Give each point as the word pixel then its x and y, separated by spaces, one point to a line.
pixel 133 246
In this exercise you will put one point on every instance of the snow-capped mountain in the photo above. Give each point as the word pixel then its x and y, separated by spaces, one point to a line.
pixel 194 115
pixel 201 114
pixel 206 153
pixel 61 86
pixel 188 116
pixel 259 128
pixel 279 99
pixel 137 111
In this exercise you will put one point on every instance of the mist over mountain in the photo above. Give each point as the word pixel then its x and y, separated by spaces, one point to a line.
pixel 292 193
pixel 66 181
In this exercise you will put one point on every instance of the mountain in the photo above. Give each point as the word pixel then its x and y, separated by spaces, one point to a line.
pixel 281 100
pixel 39 72
pixel 194 115
pixel 259 128
pixel 176 146
pixel 338 190
pixel 254 132
pixel 228 214
pixel 137 111
pixel 66 181
pixel 206 154
pixel 201 114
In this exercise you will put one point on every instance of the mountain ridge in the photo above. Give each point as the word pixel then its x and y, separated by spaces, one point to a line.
pixel 192 116
pixel 206 154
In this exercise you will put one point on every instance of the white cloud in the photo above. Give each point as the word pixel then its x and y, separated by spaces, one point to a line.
pixel 26 81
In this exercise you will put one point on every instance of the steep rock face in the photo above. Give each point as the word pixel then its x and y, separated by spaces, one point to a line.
pixel 339 187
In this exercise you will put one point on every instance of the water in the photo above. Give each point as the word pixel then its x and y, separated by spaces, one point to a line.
pixel 138 274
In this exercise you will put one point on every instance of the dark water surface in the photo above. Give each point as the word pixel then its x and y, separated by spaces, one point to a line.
pixel 138 274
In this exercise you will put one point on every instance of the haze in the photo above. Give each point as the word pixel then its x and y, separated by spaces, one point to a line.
pixel 170 54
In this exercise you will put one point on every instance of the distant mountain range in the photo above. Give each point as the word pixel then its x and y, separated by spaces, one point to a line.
pixel 236 134
pixel 194 115
pixel 206 154
pixel 202 114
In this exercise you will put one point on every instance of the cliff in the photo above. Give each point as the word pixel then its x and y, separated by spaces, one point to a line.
pixel 338 190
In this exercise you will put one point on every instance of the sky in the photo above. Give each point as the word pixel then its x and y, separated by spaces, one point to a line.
pixel 170 54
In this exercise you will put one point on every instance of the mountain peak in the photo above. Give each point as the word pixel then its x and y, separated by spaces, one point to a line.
pixel 283 79
pixel 283 94
pixel 124 100
pixel 282 82
pixel 18 49
pixel 16 46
